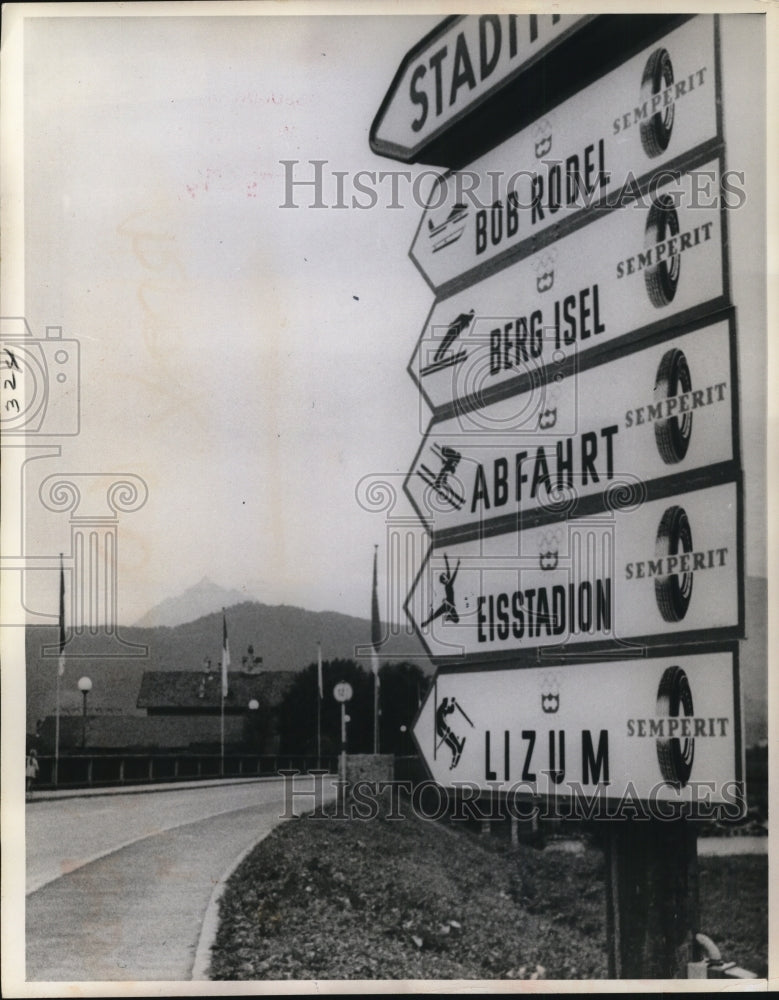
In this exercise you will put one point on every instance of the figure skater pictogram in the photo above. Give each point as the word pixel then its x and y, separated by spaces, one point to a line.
pixel 447 607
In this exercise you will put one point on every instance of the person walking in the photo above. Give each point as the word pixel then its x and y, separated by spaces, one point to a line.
pixel 31 769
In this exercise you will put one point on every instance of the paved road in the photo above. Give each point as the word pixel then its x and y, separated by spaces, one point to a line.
pixel 726 846
pixel 118 885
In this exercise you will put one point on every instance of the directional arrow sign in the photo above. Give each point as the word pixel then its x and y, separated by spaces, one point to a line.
pixel 649 573
pixel 662 730
pixel 656 107
pixel 665 409
pixel 630 272
pixel 455 69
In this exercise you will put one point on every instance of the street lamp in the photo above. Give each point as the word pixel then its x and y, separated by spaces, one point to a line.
pixel 84 686
pixel 253 730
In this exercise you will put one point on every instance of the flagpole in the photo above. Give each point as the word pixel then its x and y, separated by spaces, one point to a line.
pixel 376 714
pixel 319 706
pixel 223 689
pixel 375 643
pixel 60 669
pixel 222 736
pixel 57 732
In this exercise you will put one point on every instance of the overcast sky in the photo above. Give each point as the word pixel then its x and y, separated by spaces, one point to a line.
pixel 247 361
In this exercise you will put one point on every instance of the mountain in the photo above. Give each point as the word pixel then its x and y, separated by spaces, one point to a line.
pixel 284 636
pixel 205 597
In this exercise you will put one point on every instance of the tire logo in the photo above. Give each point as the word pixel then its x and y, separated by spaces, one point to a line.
pixel 656 130
pixel 674 699
pixel 674 537
pixel 661 277
pixel 672 435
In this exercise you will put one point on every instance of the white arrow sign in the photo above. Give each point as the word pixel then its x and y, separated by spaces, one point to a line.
pixel 603 282
pixel 455 69
pixel 657 106
pixel 659 571
pixel 662 730
pixel 668 408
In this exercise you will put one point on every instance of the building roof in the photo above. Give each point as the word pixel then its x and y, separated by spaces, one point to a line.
pixel 196 690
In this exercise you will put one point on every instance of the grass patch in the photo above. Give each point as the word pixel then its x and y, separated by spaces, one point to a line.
pixel 411 899
pixel 734 908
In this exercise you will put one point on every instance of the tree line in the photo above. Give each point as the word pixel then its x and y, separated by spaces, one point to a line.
pixel 402 688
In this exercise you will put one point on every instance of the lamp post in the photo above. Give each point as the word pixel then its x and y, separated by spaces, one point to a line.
pixel 253 706
pixel 342 693
pixel 84 686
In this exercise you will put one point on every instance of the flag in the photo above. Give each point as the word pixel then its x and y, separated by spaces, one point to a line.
pixel 61 662
pixel 319 668
pixel 225 655
pixel 375 623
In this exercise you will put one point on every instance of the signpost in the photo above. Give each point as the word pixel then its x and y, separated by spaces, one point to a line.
pixel 665 409
pixel 641 120
pixel 580 477
pixel 662 732
pixel 593 291
pixel 455 69
pixel 645 575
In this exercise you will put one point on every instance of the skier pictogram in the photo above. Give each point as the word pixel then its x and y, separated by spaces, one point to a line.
pixel 449 459
pixel 447 606
pixel 442 728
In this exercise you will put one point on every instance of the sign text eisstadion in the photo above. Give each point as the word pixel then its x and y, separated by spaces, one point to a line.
pixel 660 571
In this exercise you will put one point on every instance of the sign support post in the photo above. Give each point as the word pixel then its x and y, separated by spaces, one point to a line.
pixel 652 898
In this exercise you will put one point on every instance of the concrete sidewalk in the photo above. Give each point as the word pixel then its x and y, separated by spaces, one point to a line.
pixel 137 911
pixel 722 847
pixel 137 914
